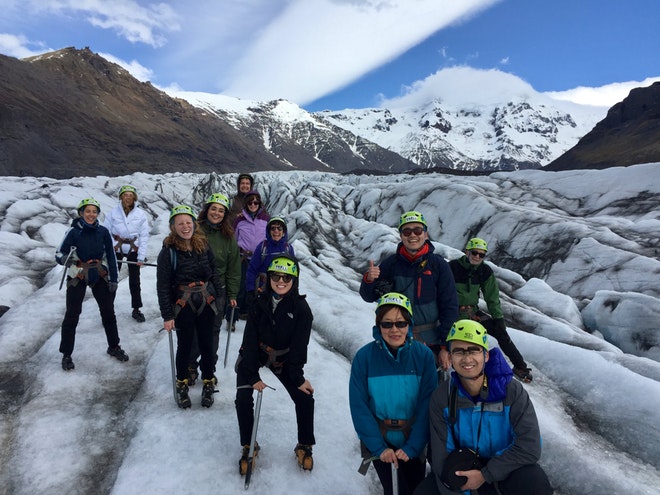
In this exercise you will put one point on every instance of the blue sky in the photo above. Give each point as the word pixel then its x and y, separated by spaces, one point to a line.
pixel 335 54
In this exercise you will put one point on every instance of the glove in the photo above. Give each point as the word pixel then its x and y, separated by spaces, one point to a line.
pixel 499 324
pixel 112 287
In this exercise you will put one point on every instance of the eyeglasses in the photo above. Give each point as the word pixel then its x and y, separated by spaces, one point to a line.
pixel 390 324
pixel 472 351
pixel 276 227
pixel 477 253
pixel 276 277
pixel 251 203
pixel 406 232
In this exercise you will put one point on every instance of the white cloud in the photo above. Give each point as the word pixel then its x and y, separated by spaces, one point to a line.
pixel 314 47
pixel 19 46
pixel 137 70
pixel 607 95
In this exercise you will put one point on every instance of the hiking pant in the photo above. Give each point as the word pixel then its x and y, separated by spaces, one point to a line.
pixel 241 298
pixel 505 342
pixel 409 475
pixel 194 348
pixel 75 295
pixel 304 405
pixel 188 323
pixel 133 278
pixel 530 479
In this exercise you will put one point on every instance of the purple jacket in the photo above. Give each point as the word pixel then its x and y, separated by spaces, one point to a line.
pixel 250 231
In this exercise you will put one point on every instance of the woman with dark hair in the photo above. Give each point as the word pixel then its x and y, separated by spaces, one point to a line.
pixel 392 380
pixel 188 287
pixel 212 221
pixel 276 336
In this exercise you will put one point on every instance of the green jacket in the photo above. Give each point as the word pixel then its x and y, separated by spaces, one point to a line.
pixel 471 279
pixel 227 259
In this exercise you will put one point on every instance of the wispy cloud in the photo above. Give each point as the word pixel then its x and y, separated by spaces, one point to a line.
pixel 606 95
pixel 20 47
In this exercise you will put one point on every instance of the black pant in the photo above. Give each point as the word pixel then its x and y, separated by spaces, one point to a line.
pixel 505 343
pixel 304 405
pixel 133 278
pixel 188 322
pixel 527 480
pixel 194 347
pixel 409 475
pixel 241 298
pixel 74 300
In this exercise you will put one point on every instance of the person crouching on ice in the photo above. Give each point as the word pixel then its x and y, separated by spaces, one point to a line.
pixel 392 379
pixel 189 296
pixel 484 431
pixel 276 336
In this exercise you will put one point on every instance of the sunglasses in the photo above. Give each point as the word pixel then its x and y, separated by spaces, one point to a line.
pixel 406 232
pixel 390 324
pixel 276 227
pixel 276 277
pixel 477 253
pixel 472 351
pixel 250 203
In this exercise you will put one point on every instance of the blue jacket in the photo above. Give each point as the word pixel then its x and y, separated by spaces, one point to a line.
pixel 509 438
pixel 386 387
pixel 265 252
pixel 93 242
pixel 429 284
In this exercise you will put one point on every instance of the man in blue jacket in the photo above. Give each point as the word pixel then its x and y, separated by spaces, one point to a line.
pixel 424 277
pixel 484 431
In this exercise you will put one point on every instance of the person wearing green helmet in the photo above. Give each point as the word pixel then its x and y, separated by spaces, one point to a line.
pixel 89 256
pixel 129 227
pixel 392 379
pixel 212 220
pixel 485 434
pixel 276 336
pixel 190 294
pixel 422 276
pixel 471 276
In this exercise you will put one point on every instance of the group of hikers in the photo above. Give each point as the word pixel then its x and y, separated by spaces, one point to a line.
pixel 476 427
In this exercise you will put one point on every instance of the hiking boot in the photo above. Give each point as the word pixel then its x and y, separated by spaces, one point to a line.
pixel 182 398
pixel 523 374
pixel 67 363
pixel 207 392
pixel 137 315
pixel 304 456
pixel 233 327
pixel 118 352
pixel 192 374
pixel 245 457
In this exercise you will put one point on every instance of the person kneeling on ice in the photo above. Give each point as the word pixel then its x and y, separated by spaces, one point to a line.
pixel 276 336
pixel 392 379
pixel 190 294
pixel 484 431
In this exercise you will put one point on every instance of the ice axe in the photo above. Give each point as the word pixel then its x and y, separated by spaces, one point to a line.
pixel 172 365
pixel 137 263
pixel 253 438
pixel 229 325
pixel 395 480
pixel 66 265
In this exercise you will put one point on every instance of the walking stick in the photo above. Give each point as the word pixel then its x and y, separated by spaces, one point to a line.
pixel 395 481
pixel 66 266
pixel 137 263
pixel 172 365
pixel 253 439
pixel 229 324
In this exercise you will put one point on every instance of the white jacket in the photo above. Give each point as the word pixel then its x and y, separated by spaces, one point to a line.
pixel 133 226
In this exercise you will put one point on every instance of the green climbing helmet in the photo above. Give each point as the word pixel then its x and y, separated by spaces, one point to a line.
pixel 128 188
pixel 469 331
pixel 284 265
pixel 89 201
pixel 476 243
pixel 182 209
pixel 397 300
pixel 410 217
pixel 221 199
pixel 277 220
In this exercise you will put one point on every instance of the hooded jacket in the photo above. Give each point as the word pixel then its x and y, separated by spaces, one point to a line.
pixel 265 252
pixel 227 257
pixel 509 438
pixel 250 229
pixel 470 279
pixel 383 386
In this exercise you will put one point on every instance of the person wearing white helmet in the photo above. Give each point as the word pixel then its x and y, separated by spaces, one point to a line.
pixel 484 432
pixel 129 228
pixel 89 256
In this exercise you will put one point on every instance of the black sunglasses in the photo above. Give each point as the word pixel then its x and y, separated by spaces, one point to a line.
pixel 276 277
pixel 276 227
pixel 406 232
pixel 253 202
pixel 477 253
pixel 390 324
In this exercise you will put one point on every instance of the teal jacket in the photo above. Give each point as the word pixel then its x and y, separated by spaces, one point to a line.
pixel 469 280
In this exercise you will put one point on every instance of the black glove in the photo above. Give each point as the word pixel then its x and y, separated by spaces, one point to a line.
pixel 499 324
pixel 112 287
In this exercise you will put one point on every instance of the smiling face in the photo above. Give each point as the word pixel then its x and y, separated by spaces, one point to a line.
pixel 276 231
pixel 467 359
pixel 216 213
pixel 279 284
pixel 183 226
pixel 244 185
pixel 475 256
pixel 90 213
pixel 253 204
pixel 394 337
pixel 127 200
pixel 413 236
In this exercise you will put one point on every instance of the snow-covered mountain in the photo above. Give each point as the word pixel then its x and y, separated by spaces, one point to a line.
pixel 462 119
pixel 576 255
